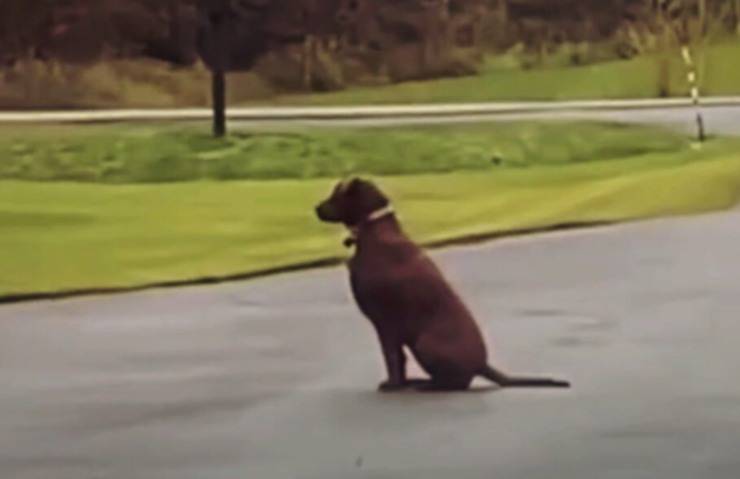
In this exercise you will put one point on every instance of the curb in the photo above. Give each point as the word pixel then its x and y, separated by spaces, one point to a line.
pixel 321 263
pixel 354 113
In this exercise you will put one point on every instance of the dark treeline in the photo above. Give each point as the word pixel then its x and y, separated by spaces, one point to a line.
pixel 370 31
pixel 321 45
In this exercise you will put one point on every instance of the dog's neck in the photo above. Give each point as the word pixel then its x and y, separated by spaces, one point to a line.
pixel 374 217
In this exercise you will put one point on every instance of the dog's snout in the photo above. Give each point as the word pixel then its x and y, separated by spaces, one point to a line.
pixel 327 212
pixel 322 212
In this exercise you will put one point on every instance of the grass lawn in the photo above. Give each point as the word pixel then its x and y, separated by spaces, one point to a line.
pixel 71 235
pixel 159 154
pixel 635 78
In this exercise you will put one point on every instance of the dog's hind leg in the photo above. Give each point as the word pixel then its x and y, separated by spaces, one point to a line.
pixel 447 377
pixel 446 384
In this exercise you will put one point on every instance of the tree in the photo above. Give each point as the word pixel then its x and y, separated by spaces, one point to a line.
pixel 416 37
pixel 159 29
pixel 23 27
pixel 24 31
pixel 322 36
pixel 234 34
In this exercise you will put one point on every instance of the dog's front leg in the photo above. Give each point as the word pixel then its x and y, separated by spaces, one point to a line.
pixel 395 361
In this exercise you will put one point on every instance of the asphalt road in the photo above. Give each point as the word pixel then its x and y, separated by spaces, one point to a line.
pixel 275 378
pixel 719 119
pixel 722 114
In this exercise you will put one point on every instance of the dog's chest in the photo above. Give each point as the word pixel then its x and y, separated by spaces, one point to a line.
pixel 376 285
pixel 392 286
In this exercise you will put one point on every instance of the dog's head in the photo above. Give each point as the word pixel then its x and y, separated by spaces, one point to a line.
pixel 352 202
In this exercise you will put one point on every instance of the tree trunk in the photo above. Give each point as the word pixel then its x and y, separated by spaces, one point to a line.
pixel 664 58
pixel 664 75
pixel 503 11
pixel 218 85
pixel 30 77
pixel 309 46
pixel 173 18
pixel 737 16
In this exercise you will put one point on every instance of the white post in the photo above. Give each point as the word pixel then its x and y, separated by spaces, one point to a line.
pixel 695 94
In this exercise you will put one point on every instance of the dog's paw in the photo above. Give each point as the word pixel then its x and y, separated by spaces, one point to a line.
pixel 390 386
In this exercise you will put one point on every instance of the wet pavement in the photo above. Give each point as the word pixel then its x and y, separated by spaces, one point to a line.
pixel 276 378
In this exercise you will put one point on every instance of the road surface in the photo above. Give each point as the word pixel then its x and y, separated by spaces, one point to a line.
pixel 275 378
pixel 719 120
pixel 722 114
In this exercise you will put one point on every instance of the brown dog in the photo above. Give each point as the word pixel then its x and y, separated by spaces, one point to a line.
pixel 408 300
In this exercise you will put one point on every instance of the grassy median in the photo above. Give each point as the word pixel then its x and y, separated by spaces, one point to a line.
pixel 66 235
pixel 118 154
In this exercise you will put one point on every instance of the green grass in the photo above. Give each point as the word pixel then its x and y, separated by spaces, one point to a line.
pixel 64 235
pixel 156 154
pixel 635 78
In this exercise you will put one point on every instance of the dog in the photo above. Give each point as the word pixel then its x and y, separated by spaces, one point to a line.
pixel 408 300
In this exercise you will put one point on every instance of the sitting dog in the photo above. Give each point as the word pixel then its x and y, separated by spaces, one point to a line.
pixel 401 291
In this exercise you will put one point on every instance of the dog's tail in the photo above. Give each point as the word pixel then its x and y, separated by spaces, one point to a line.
pixel 506 381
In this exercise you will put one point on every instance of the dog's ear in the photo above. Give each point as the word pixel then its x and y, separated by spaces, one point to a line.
pixel 349 185
pixel 353 184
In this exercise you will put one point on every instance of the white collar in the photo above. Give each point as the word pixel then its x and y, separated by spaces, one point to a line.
pixel 376 215
pixel 380 214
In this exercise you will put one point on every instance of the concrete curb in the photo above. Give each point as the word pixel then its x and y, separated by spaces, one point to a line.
pixel 356 112
pixel 326 262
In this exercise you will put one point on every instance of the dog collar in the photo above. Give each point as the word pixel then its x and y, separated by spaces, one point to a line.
pixel 379 214
pixel 376 215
